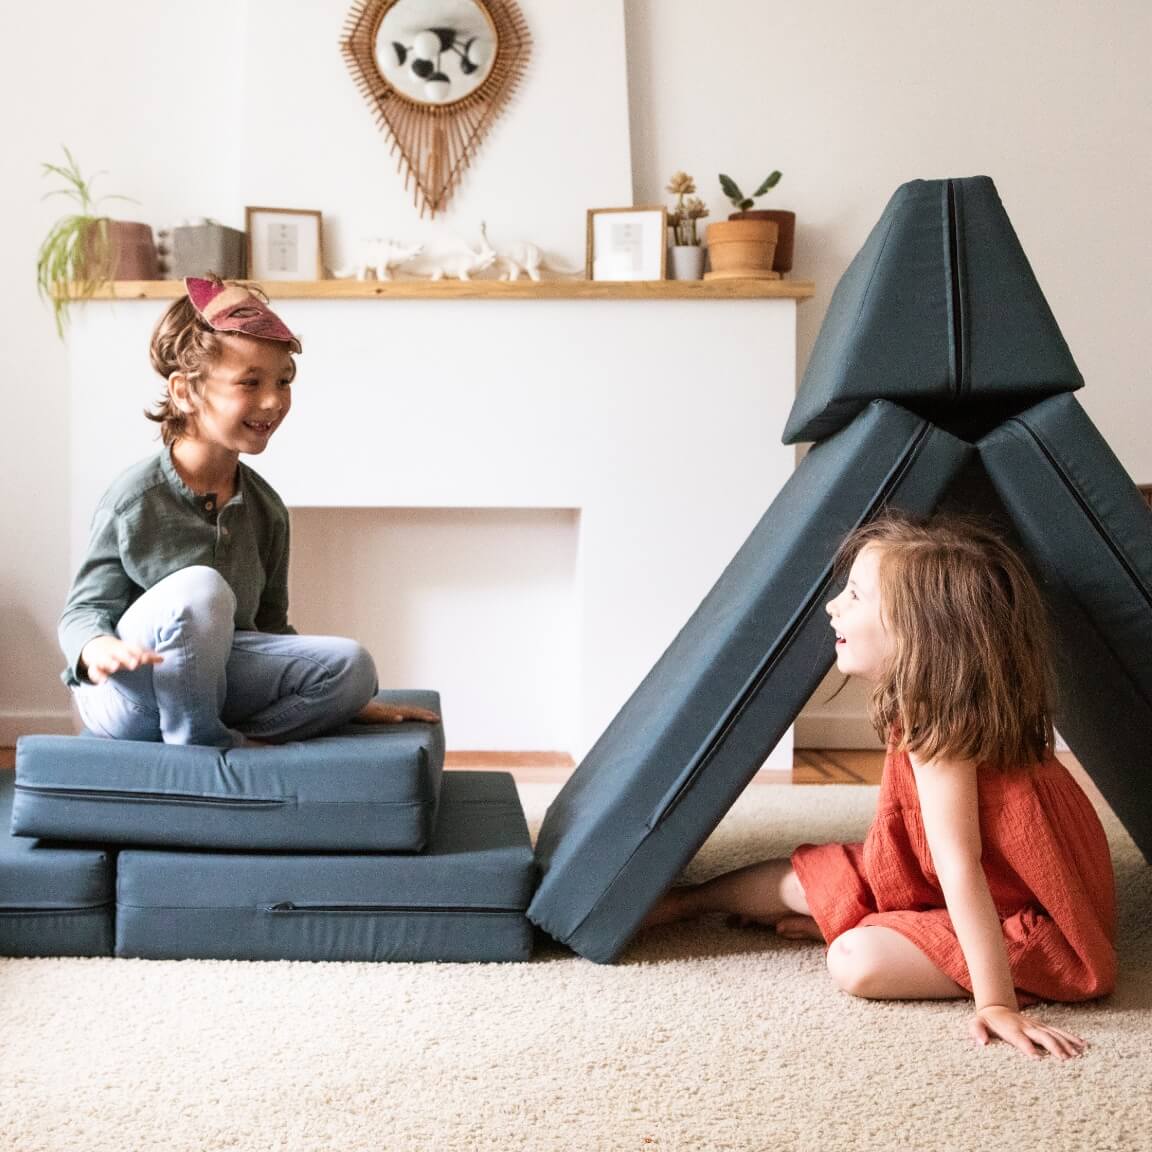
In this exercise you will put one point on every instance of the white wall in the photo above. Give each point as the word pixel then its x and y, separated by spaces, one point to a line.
pixel 1049 97
pixel 198 112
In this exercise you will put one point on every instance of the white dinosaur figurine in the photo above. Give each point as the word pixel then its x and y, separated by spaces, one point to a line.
pixel 460 266
pixel 379 256
pixel 527 258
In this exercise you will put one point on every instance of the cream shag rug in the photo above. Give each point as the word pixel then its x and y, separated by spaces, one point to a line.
pixel 703 1037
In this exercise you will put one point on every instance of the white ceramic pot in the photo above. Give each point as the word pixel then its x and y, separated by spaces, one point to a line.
pixel 685 262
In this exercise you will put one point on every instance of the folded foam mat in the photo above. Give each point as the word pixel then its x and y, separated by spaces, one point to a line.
pixel 1088 534
pixel 55 899
pixel 362 788
pixel 461 900
pixel 679 752
pixel 940 312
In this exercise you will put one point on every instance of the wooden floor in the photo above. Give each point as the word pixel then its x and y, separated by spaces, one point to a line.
pixel 808 767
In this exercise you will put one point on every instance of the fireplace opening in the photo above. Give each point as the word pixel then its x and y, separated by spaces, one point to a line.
pixel 479 604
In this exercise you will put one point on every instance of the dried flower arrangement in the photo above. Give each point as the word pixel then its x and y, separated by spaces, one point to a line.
pixel 686 211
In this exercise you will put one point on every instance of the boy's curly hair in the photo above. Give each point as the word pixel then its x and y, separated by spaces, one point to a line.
pixel 970 673
pixel 183 342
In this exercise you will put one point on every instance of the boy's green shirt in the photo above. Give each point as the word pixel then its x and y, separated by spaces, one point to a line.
pixel 150 524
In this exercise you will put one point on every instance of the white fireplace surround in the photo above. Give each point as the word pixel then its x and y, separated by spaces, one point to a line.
pixel 648 427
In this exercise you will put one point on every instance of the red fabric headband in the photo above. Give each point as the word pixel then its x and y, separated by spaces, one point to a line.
pixel 230 308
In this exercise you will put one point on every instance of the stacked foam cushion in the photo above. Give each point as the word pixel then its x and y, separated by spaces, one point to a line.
pixel 353 846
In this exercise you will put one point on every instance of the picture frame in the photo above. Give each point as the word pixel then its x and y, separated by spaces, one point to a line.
pixel 284 243
pixel 627 243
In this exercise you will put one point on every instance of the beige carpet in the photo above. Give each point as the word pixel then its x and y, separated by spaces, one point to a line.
pixel 702 1038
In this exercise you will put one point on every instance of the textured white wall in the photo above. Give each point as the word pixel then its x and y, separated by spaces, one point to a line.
pixel 1051 98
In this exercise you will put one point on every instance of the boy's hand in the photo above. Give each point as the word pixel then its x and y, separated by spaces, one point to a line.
pixel 1031 1037
pixel 376 713
pixel 107 655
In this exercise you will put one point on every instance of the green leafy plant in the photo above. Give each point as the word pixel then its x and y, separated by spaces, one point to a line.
pixel 75 258
pixel 742 202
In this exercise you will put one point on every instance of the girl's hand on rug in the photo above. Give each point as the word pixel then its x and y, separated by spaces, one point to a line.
pixel 1030 1037
pixel 106 655
pixel 376 713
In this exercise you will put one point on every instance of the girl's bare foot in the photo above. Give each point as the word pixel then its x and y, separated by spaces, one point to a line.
pixel 790 927
pixel 673 906
pixel 798 928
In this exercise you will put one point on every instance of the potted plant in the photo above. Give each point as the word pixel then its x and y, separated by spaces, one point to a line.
pixel 84 251
pixel 746 210
pixel 686 257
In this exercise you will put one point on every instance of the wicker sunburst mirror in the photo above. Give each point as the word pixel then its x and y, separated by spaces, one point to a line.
pixel 436 74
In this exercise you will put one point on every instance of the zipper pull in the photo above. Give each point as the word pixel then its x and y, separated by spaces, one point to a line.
pixel 283 906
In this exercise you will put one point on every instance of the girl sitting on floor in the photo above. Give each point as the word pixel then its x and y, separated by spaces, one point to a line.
pixel 986 872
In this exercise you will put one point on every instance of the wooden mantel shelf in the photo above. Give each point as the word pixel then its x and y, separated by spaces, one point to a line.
pixel 487 290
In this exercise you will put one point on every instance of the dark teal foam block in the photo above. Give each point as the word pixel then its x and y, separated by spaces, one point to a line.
pixel 55 899
pixel 939 312
pixel 1088 534
pixel 462 899
pixel 705 718
pixel 370 787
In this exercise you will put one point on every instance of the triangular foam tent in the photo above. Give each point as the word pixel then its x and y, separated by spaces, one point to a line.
pixel 939 373
pixel 940 312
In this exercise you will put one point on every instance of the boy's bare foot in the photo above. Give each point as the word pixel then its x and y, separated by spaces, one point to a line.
pixel 250 742
pixel 376 713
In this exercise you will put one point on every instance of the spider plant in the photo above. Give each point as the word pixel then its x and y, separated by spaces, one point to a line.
pixel 76 257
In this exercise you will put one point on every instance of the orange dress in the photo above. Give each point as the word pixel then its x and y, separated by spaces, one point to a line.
pixel 1048 867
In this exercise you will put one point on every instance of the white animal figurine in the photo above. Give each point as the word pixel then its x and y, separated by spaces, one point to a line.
pixel 380 256
pixel 460 266
pixel 526 257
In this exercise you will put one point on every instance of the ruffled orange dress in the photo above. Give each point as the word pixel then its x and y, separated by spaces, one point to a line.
pixel 1048 867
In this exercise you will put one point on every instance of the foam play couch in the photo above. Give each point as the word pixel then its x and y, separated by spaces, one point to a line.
pixel 939 377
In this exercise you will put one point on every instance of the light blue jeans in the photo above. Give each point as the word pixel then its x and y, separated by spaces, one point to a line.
pixel 217 685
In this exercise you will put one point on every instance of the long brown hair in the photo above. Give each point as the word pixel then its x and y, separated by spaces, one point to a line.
pixel 969 677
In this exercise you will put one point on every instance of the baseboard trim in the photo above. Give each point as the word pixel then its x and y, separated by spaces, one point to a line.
pixel 13 725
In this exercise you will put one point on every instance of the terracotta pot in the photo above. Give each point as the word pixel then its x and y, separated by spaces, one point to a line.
pixel 786 222
pixel 125 250
pixel 742 248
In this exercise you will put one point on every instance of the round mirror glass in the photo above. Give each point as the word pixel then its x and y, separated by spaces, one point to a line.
pixel 436 51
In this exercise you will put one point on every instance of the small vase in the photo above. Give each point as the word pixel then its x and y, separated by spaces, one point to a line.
pixel 685 262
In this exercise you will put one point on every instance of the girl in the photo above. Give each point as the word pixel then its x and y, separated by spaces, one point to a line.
pixel 986 871
pixel 176 628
